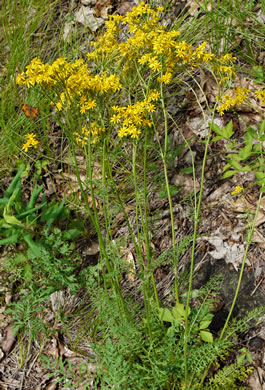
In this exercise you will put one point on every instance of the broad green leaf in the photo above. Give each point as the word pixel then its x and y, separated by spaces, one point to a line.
pixel 12 220
pixel 178 309
pixel 233 156
pixel 205 324
pixel 216 129
pixel 164 314
pixel 246 169
pixel 244 154
pixel 253 133
pixel 262 189
pixel 259 175
pixel 206 336
pixel 217 138
pixel 228 130
pixel 235 164
pixel 248 139
pixel 228 174
pixel 208 316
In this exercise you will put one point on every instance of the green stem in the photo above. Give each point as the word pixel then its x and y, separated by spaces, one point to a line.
pixel 164 156
pixel 250 233
pixel 145 223
pixel 145 282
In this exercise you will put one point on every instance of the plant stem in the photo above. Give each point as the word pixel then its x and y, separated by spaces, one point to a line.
pixel 250 233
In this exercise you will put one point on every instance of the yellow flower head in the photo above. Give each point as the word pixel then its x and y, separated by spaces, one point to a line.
pixel 31 142
pixel 237 190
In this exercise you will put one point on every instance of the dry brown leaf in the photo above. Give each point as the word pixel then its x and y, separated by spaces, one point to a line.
pixel 196 5
pixel 258 238
pixel 227 246
pixel 51 386
pixel 102 7
pixel 92 249
pixel 209 86
pixel 9 339
pixel 242 205
pixel 186 183
pixel 86 17
pixel 129 260
pixel 254 381
pixel 2 355
pixel 125 7
pixel 199 125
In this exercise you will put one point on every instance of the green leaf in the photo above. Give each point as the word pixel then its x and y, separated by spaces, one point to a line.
pixel 186 170
pixel 253 133
pixel 262 189
pixel 249 357
pixel 179 310
pixel 164 314
pixel 258 73
pixel 32 245
pixel 13 184
pixel 205 324
pixel 228 130
pixel 34 196
pixel 235 164
pixel 228 174
pixel 31 211
pixel 217 138
pixel 244 154
pixel 261 127
pixel 240 359
pixel 71 234
pixel 4 201
pixel 11 219
pixel 27 271
pixel 259 175
pixel 257 148
pixel 206 336
pixel 52 213
pixel 10 240
pixel 216 129
pixel 248 139
pixel 12 199
pixel 246 169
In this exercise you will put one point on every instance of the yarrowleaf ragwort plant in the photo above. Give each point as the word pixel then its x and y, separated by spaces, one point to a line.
pixel 111 108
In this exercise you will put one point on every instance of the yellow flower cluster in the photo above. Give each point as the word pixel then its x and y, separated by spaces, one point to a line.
pixel 91 133
pixel 31 142
pixel 148 44
pixel 260 94
pixel 237 190
pixel 75 79
pixel 225 67
pixel 132 117
pixel 231 99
